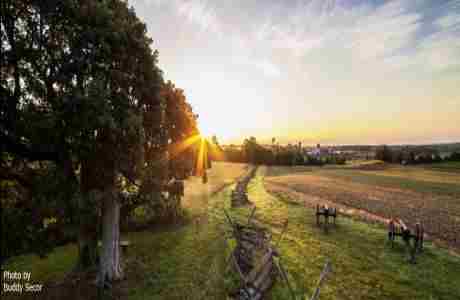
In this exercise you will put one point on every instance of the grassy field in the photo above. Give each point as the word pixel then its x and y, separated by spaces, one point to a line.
pixel 365 267
pixel 156 256
pixel 445 166
pixel 412 193
pixel 197 194
pixel 188 262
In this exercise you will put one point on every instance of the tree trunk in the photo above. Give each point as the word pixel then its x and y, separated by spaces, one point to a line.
pixel 110 260
pixel 98 179
pixel 87 252
pixel 88 233
pixel 88 216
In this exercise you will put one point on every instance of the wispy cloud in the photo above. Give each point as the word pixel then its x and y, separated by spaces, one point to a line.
pixel 386 30
pixel 395 34
pixel 200 13
pixel 437 51
pixel 197 12
pixel 371 32
pixel 204 16
pixel 449 20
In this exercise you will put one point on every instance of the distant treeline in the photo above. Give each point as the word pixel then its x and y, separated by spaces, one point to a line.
pixel 441 148
pixel 413 154
pixel 274 154
pixel 253 152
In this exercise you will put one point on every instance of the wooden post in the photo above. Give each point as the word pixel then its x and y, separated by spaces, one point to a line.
pixel 282 232
pixel 237 267
pixel 419 237
pixel 422 236
pixel 285 278
pixel 251 215
pixel 326 270
pixel 326 218
pixel 391 232
pixel 317 214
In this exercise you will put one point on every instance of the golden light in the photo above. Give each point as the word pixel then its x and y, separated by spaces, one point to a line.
pixel 201 160
pixel 202 157
pixel 176 149
pixel 205 149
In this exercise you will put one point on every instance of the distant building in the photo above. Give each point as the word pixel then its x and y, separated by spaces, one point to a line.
pixel 316 151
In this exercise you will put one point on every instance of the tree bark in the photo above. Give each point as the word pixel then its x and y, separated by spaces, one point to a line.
pixel 110 261
pixel 87 249
pixel 88 233
pixel 88 215
pixel 98 179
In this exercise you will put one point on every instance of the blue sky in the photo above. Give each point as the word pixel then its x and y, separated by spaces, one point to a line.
pixel 334 72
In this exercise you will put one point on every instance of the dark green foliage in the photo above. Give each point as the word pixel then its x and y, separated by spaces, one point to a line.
pixel 252 152
pixel 38 214
pixel 314 161
pixel 84 109
pixel 384 153
pixel 285 158
pixel 233 153
pixel 455 156
pixel 410 154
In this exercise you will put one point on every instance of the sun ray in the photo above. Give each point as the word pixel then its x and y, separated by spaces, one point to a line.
pixel 178 148
pixel 215 151
pixel 202 159
pixel 202 155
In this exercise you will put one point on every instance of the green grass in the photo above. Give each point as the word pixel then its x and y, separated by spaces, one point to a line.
pixel 188 262
pixel 185 263
pixel 450 166
pixel 365 267
pixel 287 170
pixel 417 173
pixel 53 267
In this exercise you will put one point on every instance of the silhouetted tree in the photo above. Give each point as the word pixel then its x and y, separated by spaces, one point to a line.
pixel 384 153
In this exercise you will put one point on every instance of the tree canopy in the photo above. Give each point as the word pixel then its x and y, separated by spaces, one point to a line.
pixel 87 122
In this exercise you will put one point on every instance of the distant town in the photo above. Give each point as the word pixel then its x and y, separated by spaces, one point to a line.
pixel 295 154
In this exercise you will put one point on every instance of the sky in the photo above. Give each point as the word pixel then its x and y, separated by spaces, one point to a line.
pixel 316 71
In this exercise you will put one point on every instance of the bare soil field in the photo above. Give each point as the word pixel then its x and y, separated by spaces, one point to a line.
pixel 409 193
